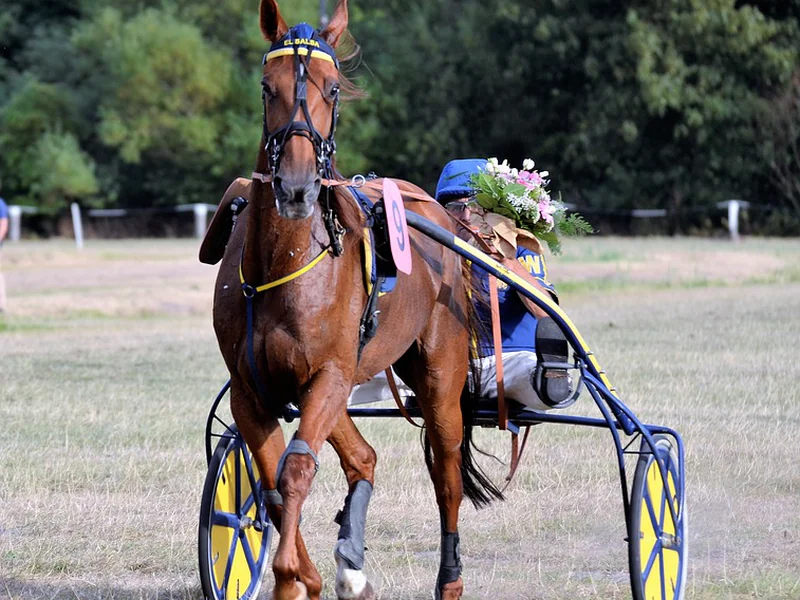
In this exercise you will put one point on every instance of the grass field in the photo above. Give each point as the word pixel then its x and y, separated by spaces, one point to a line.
pixel 108 364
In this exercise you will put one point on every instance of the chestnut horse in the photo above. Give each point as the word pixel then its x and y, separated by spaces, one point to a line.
pixel 299 341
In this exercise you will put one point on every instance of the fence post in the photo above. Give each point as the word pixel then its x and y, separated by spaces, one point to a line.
pixel 200 220
pixel 77 226
pixel 733 215
pixel 14 223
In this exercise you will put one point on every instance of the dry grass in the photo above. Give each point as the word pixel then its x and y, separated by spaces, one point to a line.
pixel 109 365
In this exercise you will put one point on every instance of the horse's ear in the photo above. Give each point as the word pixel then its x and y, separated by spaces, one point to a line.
pixel 338 25
pixel 273 27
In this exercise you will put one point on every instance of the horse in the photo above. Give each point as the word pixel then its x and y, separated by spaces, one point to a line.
pixel 288 313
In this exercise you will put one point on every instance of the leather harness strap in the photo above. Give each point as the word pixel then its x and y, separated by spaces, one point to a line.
pixel 370 184
pixel 397 398
pixel 516 454
pixel 502 408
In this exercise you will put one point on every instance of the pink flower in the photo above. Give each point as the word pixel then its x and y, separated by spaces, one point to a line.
pixel 546 210
pixel 530 179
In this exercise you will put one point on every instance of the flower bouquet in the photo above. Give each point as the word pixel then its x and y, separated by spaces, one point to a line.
pixel 521 197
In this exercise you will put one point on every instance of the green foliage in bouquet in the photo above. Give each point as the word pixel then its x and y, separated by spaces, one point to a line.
pixel 521 195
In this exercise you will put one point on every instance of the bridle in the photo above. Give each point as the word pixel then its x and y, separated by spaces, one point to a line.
pixel 301 41
pixel 304 41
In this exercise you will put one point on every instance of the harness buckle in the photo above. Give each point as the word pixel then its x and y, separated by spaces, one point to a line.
pixel 248 290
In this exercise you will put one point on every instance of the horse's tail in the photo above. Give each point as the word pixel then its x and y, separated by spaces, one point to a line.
pixel 478 487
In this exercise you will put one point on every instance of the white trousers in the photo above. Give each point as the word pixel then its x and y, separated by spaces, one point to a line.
pixel 517 370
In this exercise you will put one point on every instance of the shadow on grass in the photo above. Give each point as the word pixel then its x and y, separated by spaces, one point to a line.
pixel 15 589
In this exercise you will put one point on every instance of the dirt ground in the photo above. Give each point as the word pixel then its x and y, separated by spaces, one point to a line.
pixel 108 365
pixel 150 277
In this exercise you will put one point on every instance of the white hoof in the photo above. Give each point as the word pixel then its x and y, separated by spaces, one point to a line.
pixel 349 582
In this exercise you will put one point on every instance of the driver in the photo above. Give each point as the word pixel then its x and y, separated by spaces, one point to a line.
pixel 528 335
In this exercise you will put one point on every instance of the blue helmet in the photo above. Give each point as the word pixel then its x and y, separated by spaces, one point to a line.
pixel 454 180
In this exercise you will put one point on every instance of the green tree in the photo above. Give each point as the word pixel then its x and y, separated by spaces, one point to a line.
pixel 643 103
pixel 676 121
pixel 60 171
pixel 41 159
pixel 627 104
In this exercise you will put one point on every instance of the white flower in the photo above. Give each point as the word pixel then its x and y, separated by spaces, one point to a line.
pixel 491 166
pixel 514 173
pixel 519 202
pixel 503 168
pixel 544 174
pixel 528 164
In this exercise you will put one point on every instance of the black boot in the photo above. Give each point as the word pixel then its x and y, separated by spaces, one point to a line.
pixel 553 386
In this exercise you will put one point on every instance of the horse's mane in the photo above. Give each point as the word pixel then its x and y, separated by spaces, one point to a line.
pixel 349 54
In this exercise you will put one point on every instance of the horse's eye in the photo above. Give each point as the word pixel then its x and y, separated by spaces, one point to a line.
pixel 268 89
pixel 334 90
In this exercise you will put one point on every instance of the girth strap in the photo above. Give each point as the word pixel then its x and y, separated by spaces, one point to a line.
pixel 251 356
pixel 368 326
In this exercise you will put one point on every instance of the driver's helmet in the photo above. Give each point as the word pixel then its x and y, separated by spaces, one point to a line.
pixel 454 180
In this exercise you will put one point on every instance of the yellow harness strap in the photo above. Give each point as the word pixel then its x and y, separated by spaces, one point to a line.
pixel 287 278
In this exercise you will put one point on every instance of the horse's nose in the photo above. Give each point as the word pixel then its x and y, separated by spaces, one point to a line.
pixel 296 197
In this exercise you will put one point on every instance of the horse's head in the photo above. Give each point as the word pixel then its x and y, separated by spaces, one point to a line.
pixel 301 96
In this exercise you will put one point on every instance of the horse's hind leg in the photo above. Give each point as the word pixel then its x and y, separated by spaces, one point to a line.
pixel 358 463
pixel 265 440
pixel 439 385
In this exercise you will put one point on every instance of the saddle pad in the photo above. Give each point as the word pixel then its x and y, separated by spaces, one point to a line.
pixel 374 265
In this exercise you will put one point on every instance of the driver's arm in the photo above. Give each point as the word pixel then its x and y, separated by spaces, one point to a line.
pixel 516 267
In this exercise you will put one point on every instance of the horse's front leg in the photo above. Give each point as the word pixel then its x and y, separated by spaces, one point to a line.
pixel 265 439
pixel 358 463
pixel 323 402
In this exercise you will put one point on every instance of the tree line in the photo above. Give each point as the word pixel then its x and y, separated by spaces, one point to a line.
pixel 677 104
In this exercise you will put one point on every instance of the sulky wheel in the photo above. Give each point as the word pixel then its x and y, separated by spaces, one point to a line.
pixel 235 532
pixel 658 546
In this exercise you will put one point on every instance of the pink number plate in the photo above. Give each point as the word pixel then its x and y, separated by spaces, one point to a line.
pixel 397 226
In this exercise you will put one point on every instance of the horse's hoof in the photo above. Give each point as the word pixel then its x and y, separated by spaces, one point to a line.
pixel 366 594
pixel 451 591
pixel 352 584
pixel 300 588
